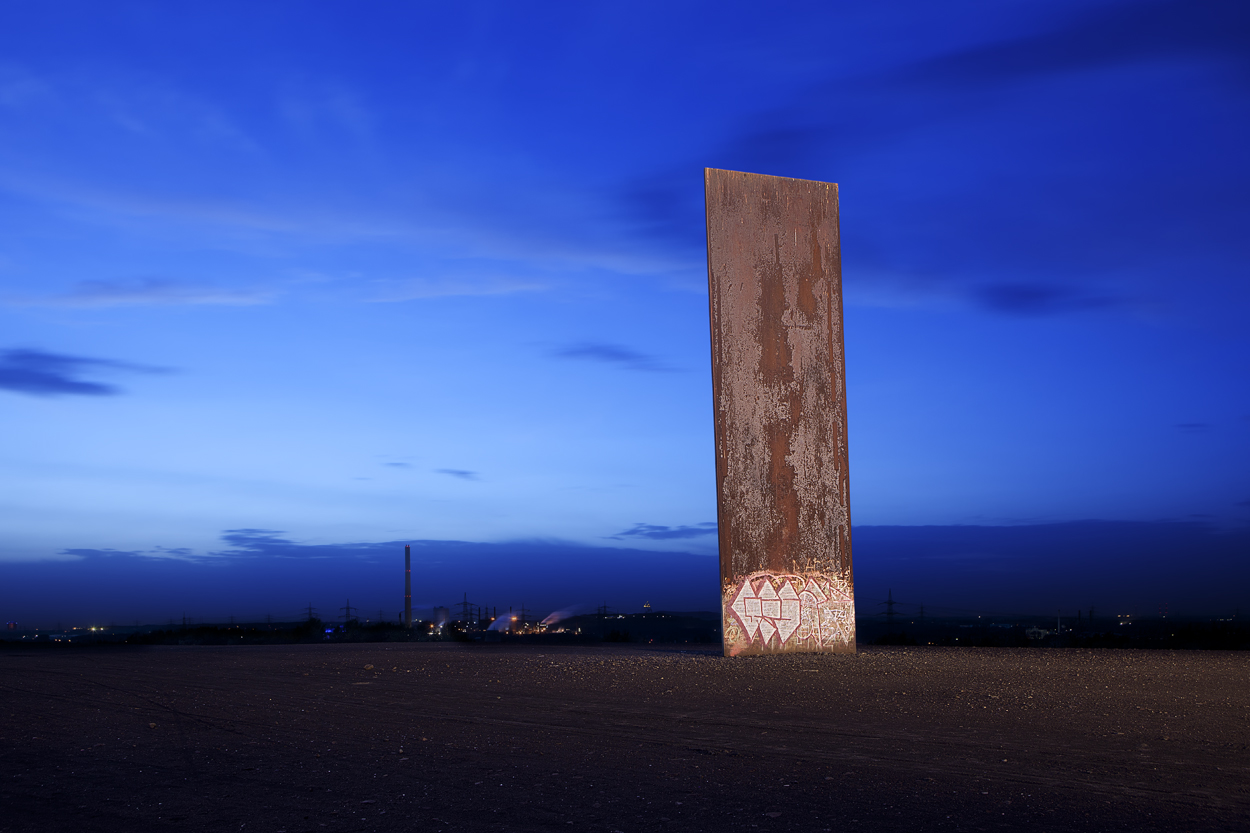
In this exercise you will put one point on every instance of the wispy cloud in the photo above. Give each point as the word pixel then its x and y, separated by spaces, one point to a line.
pixel 249 542
pixel 36 373
pixel 1194 427
pixel 146 292
pixel 87 552
pixel 662 533
pixel 462 474
pixel 395 291
pixel 174 553
pixel 398 465
pixel 256 540
pixel 229 221
pixel 612 354
pixel 1036 299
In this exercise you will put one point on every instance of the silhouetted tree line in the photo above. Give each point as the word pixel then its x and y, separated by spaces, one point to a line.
pixel 313 630
pixel 1219 635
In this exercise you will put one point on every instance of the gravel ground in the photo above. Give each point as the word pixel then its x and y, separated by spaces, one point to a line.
pixel 438 736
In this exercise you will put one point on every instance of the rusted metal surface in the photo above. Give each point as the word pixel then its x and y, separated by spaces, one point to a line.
pixel 779 390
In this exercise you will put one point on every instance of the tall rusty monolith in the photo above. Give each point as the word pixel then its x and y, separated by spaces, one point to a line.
pixel 779 390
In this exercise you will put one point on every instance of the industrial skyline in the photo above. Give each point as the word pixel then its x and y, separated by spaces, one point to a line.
pixel 1114 567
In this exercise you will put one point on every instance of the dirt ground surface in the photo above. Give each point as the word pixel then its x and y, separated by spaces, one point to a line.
pixel 440 736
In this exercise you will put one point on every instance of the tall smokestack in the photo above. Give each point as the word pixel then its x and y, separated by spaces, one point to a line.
pixel 407 585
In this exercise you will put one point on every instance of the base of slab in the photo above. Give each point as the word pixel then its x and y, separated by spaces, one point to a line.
pixel 783 613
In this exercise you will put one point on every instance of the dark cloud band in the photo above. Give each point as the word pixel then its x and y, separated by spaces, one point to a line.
pixel 38 373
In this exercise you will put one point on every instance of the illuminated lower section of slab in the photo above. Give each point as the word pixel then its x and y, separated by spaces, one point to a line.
pixel 770 613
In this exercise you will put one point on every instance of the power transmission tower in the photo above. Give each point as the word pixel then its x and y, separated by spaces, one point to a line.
pixel 889 609
pixel 347 611
pixel 312 613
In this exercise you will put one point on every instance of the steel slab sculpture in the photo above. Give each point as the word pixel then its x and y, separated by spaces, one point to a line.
pixel 779 390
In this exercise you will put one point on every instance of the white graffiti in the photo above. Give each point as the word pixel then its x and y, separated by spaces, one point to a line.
pixel 790 612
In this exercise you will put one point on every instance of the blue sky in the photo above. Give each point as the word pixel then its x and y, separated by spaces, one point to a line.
pixel 370 273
